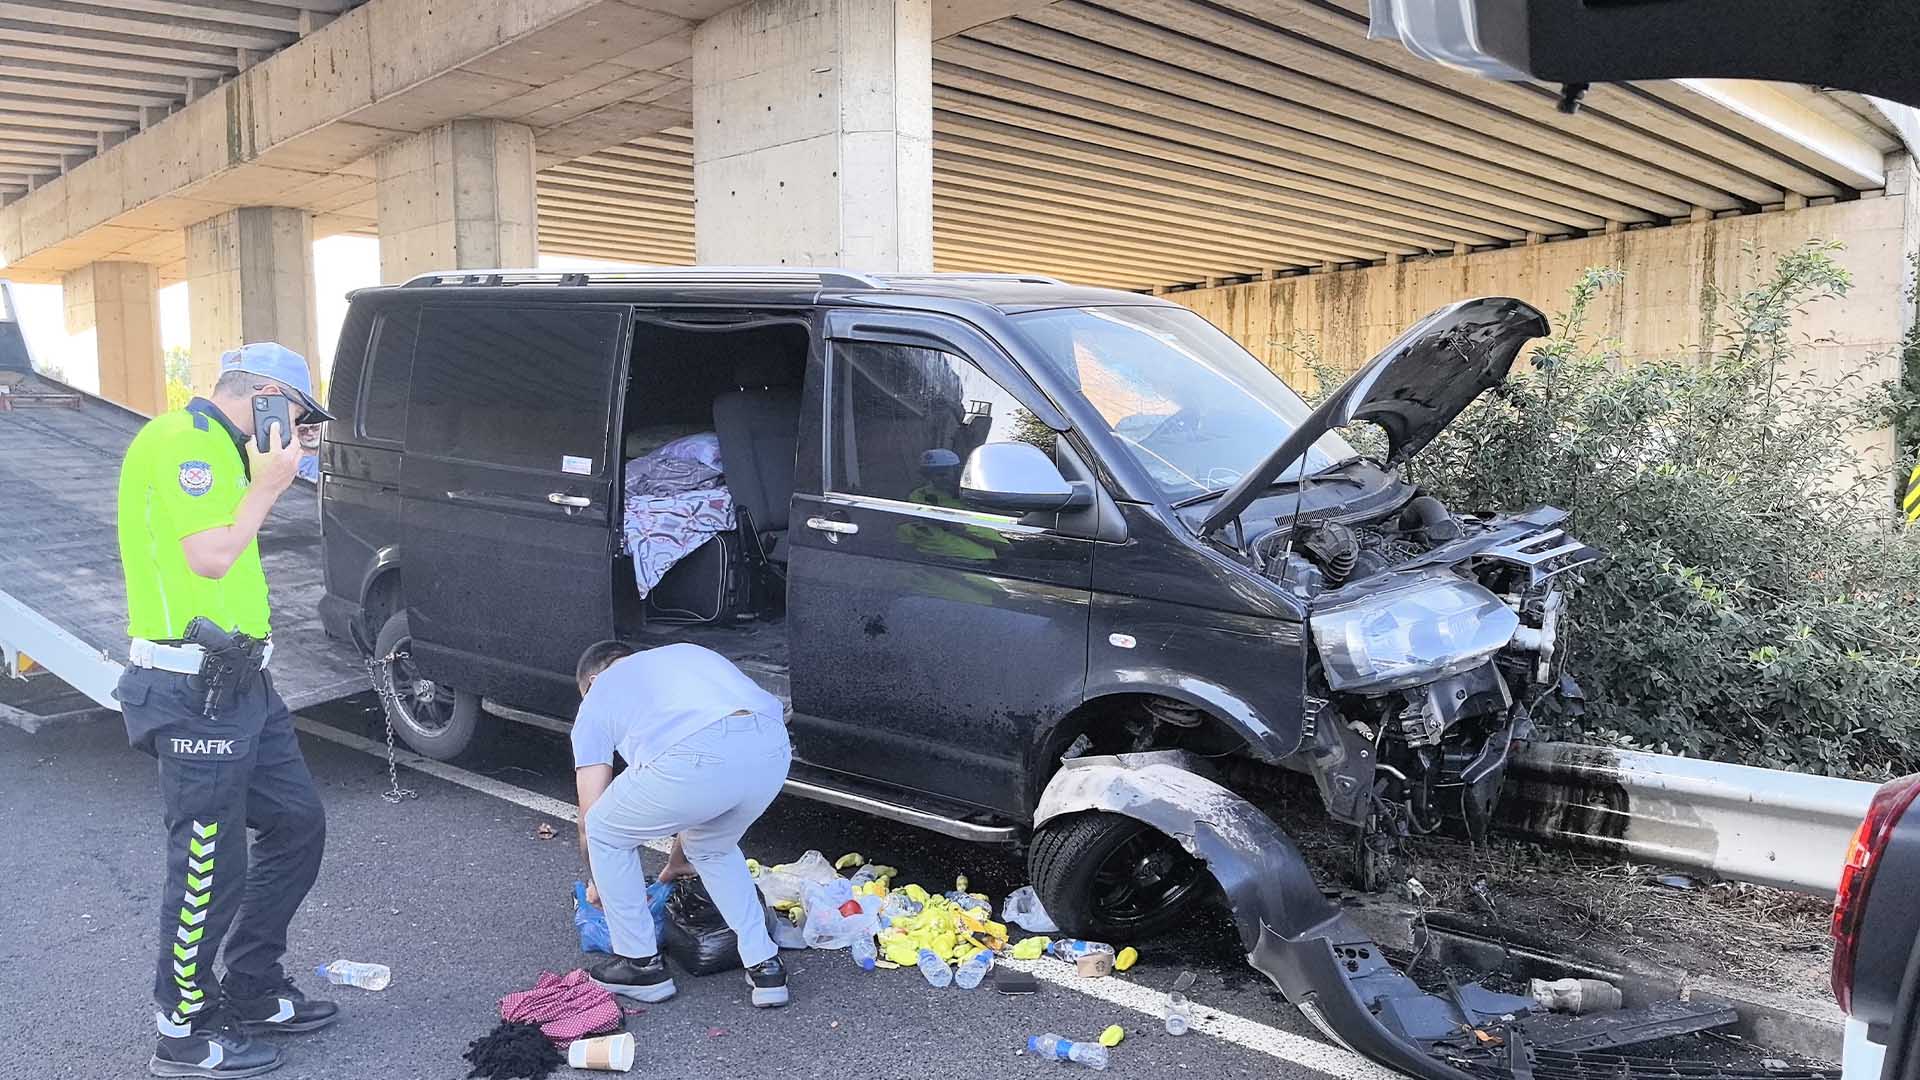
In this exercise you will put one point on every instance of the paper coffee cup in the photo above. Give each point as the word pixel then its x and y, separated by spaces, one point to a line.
pixel 609 1053
pixel 1093 965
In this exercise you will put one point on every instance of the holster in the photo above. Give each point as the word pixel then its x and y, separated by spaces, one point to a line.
pixel 230 662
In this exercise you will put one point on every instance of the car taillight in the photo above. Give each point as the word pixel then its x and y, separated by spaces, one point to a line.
pixel 1856 877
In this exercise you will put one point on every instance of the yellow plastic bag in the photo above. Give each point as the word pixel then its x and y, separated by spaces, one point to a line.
pixel 1032 948
pixel 1113 1035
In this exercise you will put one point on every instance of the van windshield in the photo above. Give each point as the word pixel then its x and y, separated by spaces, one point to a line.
pixel 1193 408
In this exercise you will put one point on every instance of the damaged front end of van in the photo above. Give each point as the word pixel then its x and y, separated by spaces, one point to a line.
pixel 1432 637
pixel 1435 635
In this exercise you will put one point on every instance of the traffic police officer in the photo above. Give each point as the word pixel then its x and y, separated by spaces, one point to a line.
pixel 194 490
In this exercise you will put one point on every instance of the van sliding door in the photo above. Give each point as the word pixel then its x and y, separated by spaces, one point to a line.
pixel 508 495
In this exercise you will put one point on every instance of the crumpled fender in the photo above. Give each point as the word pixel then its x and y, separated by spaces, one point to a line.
pixel 1325 965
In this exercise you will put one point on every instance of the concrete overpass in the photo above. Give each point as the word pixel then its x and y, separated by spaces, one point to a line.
pixel 1291 177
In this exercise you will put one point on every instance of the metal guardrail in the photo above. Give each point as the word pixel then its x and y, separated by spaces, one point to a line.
pixel 1784 829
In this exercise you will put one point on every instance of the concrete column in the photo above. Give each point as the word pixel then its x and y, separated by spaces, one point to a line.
pixel 115 300
pixel 250 278
pixel 459 197
pixel 813 134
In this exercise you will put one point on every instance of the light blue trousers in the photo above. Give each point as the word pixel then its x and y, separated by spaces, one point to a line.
pixel 709 788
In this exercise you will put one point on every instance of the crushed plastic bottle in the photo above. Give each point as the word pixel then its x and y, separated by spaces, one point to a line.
pixel 1058 1048
pixel 1577 997
pixel 864 952
pixel 1071 949
pixel 898 905
pixel 1179 1009
pixel 873 872
pixel 969 902
pixel 973 969
pixel 1179 1014
pixel 349 973
pixel 937 973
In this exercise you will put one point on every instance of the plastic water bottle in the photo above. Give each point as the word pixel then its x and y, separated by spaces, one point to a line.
pixel 973 969
pixel 898 905
pixel 1179 1013
pixel 348 973
pixel 935 969
pixel 1071 949
pixel 864 952
pixel 1090 1054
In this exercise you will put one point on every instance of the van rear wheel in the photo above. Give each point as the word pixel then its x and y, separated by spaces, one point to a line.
pixel 1111 878
pixel 433 720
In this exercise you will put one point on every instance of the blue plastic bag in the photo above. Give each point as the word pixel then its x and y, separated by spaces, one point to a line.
pixel 592 922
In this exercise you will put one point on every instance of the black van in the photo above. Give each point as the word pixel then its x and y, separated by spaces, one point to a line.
pixel 970 526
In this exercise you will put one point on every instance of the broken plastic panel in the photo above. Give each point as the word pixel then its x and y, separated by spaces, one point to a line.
pixel 1312 951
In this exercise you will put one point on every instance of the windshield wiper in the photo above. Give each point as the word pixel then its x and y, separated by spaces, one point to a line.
pixel 1208 496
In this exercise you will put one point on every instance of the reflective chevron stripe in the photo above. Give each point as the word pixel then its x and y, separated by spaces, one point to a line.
pixel 197 899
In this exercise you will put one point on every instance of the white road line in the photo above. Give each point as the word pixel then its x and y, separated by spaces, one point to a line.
pixel 1249 1034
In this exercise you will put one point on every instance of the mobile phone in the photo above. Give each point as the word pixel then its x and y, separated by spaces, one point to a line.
pixel 1008 981
pixel 272 411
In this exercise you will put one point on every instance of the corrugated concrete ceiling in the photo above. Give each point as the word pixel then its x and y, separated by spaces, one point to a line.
pixel 1142 143
pixel 78 77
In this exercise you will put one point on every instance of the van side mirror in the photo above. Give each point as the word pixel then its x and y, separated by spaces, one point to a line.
pixel 1019 478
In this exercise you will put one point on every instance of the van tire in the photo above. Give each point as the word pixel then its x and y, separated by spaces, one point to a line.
pixel 437 722
pixel 1073 862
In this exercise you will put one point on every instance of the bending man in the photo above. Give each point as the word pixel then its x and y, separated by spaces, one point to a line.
pixel 706 752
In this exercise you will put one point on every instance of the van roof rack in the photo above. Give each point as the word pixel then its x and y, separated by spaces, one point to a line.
pixel 776 276
pixel 966 275
pixel 654 275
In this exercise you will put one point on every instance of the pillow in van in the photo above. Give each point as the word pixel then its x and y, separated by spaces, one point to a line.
pixel 703 448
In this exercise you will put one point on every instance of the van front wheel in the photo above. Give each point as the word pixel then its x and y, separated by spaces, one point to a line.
pixel 434 720
pixel 1111 878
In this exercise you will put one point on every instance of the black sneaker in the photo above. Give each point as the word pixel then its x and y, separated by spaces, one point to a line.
pixel 769 981
pixel 215 1047
pixel 642 980
pixel 277 1008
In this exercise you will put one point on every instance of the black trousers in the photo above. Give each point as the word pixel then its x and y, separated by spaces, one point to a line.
pixel 220 776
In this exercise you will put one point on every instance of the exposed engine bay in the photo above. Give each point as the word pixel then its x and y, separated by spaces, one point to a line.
pixel 1436 637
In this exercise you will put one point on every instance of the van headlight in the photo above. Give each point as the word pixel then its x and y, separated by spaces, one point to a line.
pixel 1412 635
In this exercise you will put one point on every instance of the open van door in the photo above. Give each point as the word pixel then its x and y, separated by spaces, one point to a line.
pixel 508 495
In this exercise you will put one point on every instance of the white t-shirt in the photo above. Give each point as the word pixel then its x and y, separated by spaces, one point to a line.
pixel 643 704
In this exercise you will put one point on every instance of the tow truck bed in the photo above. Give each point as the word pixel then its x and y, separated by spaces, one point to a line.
pixel 60 454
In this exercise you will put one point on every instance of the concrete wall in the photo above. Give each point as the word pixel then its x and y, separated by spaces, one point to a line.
pixel 1659 310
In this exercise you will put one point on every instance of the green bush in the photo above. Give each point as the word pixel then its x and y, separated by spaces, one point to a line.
pixel 1757 604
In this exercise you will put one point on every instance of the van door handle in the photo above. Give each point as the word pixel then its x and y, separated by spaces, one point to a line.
pixel 828 525
pixel 560 498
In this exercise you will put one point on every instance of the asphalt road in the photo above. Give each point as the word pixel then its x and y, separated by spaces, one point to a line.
pixel 461 895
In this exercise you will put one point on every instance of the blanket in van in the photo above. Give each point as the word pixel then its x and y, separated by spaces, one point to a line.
pixel 676 500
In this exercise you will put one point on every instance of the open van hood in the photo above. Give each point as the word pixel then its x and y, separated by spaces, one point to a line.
pixel 1413 389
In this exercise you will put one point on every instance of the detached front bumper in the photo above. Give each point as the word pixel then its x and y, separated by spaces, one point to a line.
pixel 1325 965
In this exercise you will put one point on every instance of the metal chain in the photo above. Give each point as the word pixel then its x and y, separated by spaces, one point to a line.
pixel 381 671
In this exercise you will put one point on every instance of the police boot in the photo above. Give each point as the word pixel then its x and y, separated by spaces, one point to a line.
pixel 269 1008
pixel 214 1047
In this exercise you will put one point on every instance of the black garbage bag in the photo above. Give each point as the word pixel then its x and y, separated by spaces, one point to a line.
pixel 696 936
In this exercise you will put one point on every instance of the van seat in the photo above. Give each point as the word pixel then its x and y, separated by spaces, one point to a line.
pixel 759 429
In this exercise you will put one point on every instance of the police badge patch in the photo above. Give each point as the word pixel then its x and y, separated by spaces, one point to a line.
pixel 196 477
